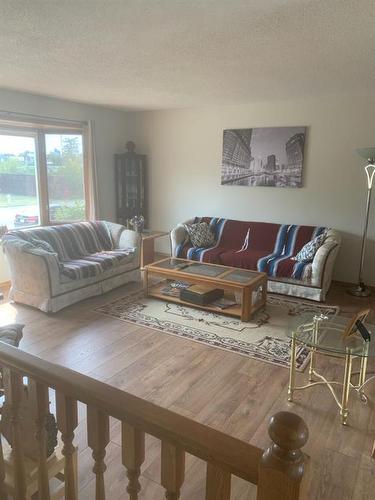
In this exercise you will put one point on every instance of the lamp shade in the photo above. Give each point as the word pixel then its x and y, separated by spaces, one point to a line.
pixel 367 153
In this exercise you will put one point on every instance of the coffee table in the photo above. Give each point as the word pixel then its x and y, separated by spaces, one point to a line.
pixel 249 287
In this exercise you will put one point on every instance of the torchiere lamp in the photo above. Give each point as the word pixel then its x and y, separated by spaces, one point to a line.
pixel 361 290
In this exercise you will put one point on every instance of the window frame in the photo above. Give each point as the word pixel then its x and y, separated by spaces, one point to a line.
pixel 38 131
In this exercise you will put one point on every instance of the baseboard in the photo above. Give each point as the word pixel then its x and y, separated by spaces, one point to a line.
pixel 350 284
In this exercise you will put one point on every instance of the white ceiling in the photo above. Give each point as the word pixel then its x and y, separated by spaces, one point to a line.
pixel 154 54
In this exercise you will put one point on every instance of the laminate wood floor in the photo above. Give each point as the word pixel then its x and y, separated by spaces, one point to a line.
pixel 221 389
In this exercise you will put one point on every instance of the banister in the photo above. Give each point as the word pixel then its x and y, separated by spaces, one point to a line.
pixel 232 454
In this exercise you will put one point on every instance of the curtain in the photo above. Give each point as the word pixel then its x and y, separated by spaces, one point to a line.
pixel 91 182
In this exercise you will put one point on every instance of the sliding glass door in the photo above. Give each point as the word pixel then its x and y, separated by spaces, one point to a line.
pixel 42 177
pixel 19 186
pixel 65 182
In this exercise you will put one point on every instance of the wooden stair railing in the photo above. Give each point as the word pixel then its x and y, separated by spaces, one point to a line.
pixel 277 471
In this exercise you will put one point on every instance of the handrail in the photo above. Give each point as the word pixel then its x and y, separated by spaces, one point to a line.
pixel 277 471
pixel 236 456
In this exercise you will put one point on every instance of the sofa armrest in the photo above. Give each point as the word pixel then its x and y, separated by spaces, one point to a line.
pixel 32 270
pixel 324 260
pixel 178 235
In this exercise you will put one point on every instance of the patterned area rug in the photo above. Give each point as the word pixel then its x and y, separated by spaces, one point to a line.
pixel 263 338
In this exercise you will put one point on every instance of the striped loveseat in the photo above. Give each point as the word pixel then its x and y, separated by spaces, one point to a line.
pixel 53 267
pixel 269 248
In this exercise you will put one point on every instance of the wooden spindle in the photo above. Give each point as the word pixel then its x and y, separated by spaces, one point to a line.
pixel 133 456
pixel 40 392
pixel 218 482
pixel 97 439
pixel 282 464
pixel 13 392
pixel 67 420
pixel 3 493
pixel 172 469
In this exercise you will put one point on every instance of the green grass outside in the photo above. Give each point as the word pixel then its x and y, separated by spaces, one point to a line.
pixel 16 200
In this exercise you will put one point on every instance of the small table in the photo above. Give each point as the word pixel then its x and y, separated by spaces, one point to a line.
pixel 250 286
pixel 323 336
pixel 148 246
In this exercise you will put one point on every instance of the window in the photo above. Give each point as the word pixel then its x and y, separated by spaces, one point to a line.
pixel 42 175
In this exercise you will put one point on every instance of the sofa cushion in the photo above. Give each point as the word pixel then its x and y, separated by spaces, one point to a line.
pixel 288 268
pixel 297 237
pixel 92 265
pixel 245 259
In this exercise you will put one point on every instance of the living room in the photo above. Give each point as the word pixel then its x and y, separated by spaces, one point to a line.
pixel 166 95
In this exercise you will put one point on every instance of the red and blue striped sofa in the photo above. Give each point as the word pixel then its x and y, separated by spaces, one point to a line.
pixel 269 248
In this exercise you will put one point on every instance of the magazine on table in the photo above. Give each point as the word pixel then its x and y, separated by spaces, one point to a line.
pixel 223 303
pixel 173 288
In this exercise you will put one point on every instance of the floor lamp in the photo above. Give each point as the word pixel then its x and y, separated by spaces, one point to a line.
pixel 361 290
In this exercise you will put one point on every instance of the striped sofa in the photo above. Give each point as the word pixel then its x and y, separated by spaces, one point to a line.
pixel 269 248
pixel 53 267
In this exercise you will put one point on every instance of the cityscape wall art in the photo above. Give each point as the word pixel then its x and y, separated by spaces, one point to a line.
pixel 271 156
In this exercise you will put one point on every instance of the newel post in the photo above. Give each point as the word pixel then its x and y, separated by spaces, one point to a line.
pixel 282 464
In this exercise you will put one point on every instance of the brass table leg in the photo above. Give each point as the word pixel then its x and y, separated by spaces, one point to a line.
pixel 312 364
pixel 292 370
pixel 362 378
pixel 345 390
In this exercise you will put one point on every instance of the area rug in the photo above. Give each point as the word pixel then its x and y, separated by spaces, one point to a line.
pixel 263 338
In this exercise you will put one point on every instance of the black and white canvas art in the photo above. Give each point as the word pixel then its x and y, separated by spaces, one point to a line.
pixel 271 156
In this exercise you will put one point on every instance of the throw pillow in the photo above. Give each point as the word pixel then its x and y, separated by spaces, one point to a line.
pixel 11 334
pixel 200 234
pixel 307 253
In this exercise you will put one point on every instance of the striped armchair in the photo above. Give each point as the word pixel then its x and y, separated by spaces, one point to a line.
pixel 53 267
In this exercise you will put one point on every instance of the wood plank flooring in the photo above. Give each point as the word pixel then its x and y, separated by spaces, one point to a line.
pixel 221 389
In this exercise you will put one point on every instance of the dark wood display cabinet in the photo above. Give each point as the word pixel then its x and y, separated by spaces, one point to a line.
pixel 131 185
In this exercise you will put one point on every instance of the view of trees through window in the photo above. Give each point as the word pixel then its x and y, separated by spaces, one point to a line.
pixel 19 180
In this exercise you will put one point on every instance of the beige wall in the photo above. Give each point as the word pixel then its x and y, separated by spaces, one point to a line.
pixel 184 148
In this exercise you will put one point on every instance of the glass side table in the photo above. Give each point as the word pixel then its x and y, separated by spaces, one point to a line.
pixel 323 335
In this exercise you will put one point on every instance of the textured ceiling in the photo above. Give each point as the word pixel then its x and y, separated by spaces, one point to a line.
pixel 149 54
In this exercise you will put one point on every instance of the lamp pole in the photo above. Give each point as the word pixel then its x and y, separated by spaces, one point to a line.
pixel 361 290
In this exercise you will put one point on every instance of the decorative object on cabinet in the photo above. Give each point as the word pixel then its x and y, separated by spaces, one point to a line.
pixel 130 169
pixel 361 290
pixel 138 223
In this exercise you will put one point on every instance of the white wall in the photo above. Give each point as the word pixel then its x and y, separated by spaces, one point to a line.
pixel 112 130
pixel 184 149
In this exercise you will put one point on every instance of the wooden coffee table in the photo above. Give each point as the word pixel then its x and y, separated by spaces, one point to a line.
pixel 250 286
